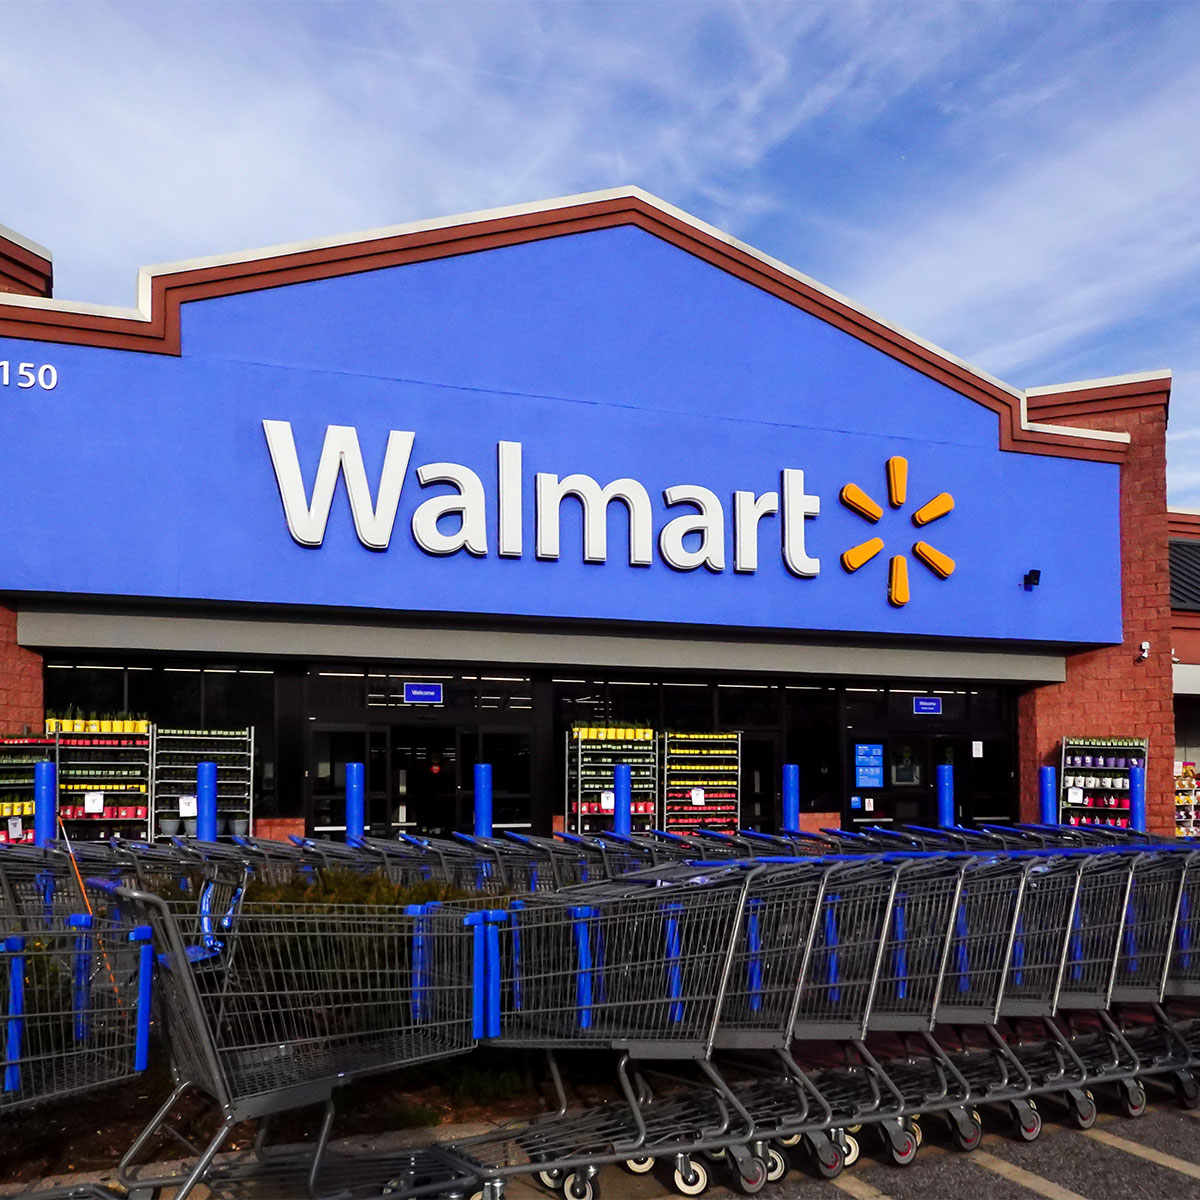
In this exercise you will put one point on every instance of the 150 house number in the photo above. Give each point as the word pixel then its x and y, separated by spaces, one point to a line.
pixel 28 375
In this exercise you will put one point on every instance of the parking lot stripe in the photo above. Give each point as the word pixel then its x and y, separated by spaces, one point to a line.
pixel 1027 1179
pixel 1146 1152
pixel 860 1189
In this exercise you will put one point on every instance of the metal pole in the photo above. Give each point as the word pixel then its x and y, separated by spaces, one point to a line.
pixel 1137 798
pixel 45 800
pixel 791 797
pixel 623 799
pixel 945 796
pixel 483 799
pixel 206 801
pixel 1048 795
pixel 355 801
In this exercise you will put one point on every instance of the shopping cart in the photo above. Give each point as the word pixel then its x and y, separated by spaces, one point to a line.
pixel 77 1003
pixel 638 965
pixel 277 1006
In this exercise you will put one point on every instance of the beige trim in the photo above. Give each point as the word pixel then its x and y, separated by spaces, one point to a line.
pixel 1186 679
pixel 311 639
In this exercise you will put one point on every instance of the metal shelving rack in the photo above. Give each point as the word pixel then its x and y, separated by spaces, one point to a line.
pixel 17 756
pixel 1095 779
pixel 702 781
pixel 592 754
pixel 104 784
pixel 176 754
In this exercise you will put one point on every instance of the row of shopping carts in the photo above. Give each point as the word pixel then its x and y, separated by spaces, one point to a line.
pixel 763 999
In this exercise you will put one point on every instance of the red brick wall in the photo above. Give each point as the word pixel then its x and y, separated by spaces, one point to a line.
pixel 20 682
pixel 1109 692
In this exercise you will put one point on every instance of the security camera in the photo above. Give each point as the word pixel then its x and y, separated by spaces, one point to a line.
pixel 1145 651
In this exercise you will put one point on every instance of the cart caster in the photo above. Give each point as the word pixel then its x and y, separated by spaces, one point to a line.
pixel 639 1166
pixel 552 1180
pixel 966 1130
pixel 755 1178
pixel 578 1186
pixel 1187 1090
pixel 1081 1107
pixel 902 1147
pixel 828 1159
pixel 792 1139
pixel 1131 1099
pixel 691 1179
pixel 914 1127
pixel 848 1144
pixel 777 1164
pixel 1027 1121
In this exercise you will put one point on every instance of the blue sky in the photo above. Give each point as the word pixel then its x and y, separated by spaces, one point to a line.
pixel 1016 182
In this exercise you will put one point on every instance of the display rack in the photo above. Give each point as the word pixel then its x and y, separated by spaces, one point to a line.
pixel 176 755
pixel 1185 799
pixel 104 786
pixel 1095 779
pixel 592 754
pixel 17 757
pixel 702 781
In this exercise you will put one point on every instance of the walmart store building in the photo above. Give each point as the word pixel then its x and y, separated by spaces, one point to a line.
pixel 582 463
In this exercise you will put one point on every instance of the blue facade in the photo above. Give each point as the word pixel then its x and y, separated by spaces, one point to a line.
pixel 610 353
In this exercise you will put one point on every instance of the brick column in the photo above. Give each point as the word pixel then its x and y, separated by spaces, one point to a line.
pixel 1109 692
pixel 20 682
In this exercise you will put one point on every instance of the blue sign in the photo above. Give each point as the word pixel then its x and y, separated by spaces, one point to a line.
pixel 928 706
pixel 565 428
pixel 868 765
pixel 856 802
pixel 422 693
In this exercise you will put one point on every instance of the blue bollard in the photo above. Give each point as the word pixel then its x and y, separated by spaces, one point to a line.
pixel 1137 798
pixel 206 801
pixel 1048 795
pixel 483 799
pixel 45 800
pixel 623 799
pixel 356 812
pixel 791 798
pixel 945 796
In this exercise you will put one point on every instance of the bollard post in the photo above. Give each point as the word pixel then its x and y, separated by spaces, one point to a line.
pixel 791 797
pixel 1137 798
pixel 45 801
pixel 483 799
pixel 622 799
pixel 1047 795
pixel 206 801
pixel 355 801
pixel 945 796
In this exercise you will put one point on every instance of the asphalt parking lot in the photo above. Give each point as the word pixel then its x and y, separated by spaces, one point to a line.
pixel 1154 1157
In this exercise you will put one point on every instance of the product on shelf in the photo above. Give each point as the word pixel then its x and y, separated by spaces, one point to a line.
pixel 702 781
pixel 177 752
pixel 104 782
pixel 1185 799
pixel 593 751
pixel 1094 781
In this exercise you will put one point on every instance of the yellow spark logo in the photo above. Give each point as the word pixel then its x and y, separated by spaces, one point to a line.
pixel 857 501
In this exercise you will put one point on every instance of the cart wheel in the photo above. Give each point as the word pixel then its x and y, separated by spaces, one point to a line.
pixel 831 1166
pixel 777 1164
pixel 850 1149
pixel 1132 1099
pixel 968 1138
pixel 1187 1091
pixel 1029 1129
pixel 914 1127
pixel 903 1149
pixel 1083 1110
pixel 551 1179
pixel 639 1166
pixel 792 1139
pixel 695 1183
pixel 581 1187
pixel 755 1181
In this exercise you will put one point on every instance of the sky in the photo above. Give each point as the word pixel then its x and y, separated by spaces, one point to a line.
pixel 1018 183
